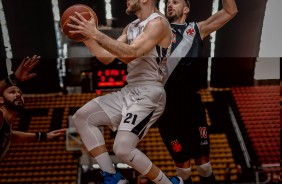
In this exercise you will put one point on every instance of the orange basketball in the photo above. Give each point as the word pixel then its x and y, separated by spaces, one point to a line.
pixel 85 11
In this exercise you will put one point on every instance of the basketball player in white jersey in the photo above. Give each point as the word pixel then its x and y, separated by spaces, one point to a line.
pixel 144 46
pixel 183 125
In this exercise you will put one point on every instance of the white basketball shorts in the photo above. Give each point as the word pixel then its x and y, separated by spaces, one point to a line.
pixel 134 108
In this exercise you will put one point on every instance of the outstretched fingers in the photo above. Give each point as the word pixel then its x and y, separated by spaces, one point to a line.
pixel 30 63
pixel 34 61
pixel 23 71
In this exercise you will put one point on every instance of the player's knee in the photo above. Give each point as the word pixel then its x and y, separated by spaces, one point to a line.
pixel 122 150
pixel 77 118
pixel 204 170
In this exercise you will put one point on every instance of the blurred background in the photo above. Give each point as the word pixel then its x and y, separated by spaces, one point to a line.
pixel 238 79
pixel 32 27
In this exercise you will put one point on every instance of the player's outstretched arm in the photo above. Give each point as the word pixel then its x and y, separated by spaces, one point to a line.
pixel 219 19
pixel 23 137
pixel 23 73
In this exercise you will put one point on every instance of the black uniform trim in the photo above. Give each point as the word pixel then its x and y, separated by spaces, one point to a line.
pixel 140 128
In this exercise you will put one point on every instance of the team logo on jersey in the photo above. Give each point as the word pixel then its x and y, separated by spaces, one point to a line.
pixel 190 31
pixel 173 38
pixel 203 132
pixel 176 146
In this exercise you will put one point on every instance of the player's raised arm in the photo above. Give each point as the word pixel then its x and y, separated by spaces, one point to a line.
pixel 23 72
pixel 219 19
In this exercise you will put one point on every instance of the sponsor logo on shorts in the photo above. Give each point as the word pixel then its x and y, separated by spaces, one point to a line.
pixel 205 142
pixel 176 146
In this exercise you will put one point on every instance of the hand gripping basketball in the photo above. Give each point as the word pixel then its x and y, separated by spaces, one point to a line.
pixel 85 11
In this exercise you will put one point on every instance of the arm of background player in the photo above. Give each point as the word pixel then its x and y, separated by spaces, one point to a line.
pixel 219 19
pixel 23 137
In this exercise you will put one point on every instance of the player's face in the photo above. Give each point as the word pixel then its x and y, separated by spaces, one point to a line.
pixel 132 6
pixel 13 98
pixel 175 9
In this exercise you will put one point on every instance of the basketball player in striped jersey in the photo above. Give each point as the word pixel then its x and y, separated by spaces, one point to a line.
pixel 183 125
pixel 144 46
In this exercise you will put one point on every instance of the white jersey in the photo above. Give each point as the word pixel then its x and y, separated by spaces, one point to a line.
pixel 140 103
pixel 150 68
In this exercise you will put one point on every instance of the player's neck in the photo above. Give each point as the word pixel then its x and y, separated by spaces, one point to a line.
pixel 156 10
pixel 179 21
pixel 146 12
